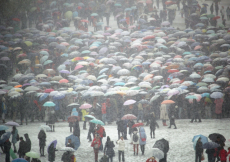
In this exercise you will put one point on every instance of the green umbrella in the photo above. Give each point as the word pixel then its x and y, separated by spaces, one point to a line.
pixel 33 155
pixel 33 9
pixel 49 104
pixel 96 121
pixel 94 14
pixel 110 93
pixel 219 67
pixel 68 15
pixel 28 43
pixel 135 88
pixel 221 25
pixel 47 62
pixel 156 87
pixel 200 84
pixel 210 16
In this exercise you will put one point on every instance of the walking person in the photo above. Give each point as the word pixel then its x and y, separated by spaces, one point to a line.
pixel 101 131
pixel 142 140
pixel 22 148
pixel 7 146
pixel 130 124
pixel 51 153
pixel 15 137
pixel 216 8
pixel 91 131
pixel 27 143
pixel 96 144
pixel 76 129
pixel 164 114
pixel 153 125
pixel 135 141
pixel 218 109
pixel 84 112
pixel 42 141
pixel 4 109
pixel 212 8
pixel 103 112
pixel 210 153
pixel 172 116
pixel 108 150
pixel 140 113
pixel 199 151
pixel 121 149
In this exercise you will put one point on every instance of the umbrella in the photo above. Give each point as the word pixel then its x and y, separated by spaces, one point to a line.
pixel 89 116
pixel 72 118
pixel 11 123
pixel 213 137
pixel 156 152
pixel 49 104
pixel 75 141
pixel 3 127
pixel 137 125
pixel 129 117
pixel 32 154
pixel 210 145
pixel 97 121
pixel 53 142
pixel 162 144
pixel 216 95
pixel 204 139
pixel 167 102
pixel 85 106
pixel 19 160
pixel 129 102
pixel 46 127
pixel 5 137
pixel 67 149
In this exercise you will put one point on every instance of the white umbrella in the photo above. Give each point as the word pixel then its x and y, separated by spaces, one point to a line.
pixel 157 153
pixel 123 72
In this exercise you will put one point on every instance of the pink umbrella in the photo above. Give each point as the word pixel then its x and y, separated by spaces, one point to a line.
pixel 63 81
pixel 129 102
pixel 78 67
pixel 173 92
pixel 197 47
pixel 85 106
pixel 129 117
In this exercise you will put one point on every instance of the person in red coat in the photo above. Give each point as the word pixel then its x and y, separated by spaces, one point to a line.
pixel 223 155
pixel 96 145
pixel 228 153
pixel 152 159
pixel 100 130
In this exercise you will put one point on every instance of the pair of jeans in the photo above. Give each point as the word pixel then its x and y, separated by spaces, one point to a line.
pixel 121 153
pixel 101 146
pixel 142 149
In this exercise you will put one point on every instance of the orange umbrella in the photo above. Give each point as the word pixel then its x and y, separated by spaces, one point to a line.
pixel 18 86
pixel 147 77
pixel 120 92
pixel 172 66
pixel 167 102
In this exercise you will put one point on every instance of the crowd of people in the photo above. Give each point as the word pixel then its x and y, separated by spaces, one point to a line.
pixel 142 70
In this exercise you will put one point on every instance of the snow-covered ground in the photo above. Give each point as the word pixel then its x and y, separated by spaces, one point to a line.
pixel 181 147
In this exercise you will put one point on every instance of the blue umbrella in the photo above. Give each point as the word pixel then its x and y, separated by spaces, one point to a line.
pixel 19 160
pixel 45 84
pixel 59 96
pixel 210 145
pixel 216 95
pixel 74 140
pixel 3 127
pixel 43 96
pixel 119 84
pixel 103 70
pixel 49 104
pixel 195 139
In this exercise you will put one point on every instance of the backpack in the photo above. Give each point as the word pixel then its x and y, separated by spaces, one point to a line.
pixel 135 137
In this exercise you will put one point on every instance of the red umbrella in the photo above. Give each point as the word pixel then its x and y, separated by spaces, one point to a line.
pixel 129 117
pixel 149 37
pixel 48 90
pixel 197 47
pixel 169 2
pixel 63 81
pixel 22 55
pixel 84 21
pixel 137 125
pixel 72 118
pixel 16 19
pixel 173 70
pixel 148 2
pixel 215 18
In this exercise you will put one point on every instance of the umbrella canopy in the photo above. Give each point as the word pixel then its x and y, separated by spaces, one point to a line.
pixel 129 117
pixel 156 152
pixel 97 121
pixel 195 139
pixel 210 145
pixel 213 137
pixel 129 102
pixel 49 104
pixel 74 139
pixel 162 144
pixel 19 160
pixel 11 123
pixel 167 102
pixel 5 137
pixel 32 154
pixel 3 127
pixel 137 125
pixel 85 106
pixel 54 142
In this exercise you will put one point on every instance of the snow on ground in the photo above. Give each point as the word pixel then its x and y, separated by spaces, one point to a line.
pixel 181 147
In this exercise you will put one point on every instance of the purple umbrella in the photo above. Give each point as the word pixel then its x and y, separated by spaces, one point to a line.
pixel 5 59
pixel 129 102
pixel 11 123
pixel 67 62
pixel 165 23
pixel 55 144
pixel 103 50
pixel 26 84
pixel 64 71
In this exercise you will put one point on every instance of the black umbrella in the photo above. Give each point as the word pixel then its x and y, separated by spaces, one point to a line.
pixel 213 137
pixel 162 144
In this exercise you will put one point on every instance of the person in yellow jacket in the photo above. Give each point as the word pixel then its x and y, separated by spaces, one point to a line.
pixel 84 112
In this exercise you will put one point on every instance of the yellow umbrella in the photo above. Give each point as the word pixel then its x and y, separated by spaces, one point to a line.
pixel 68 15
pixel 204 30
pixel 33 9
pixel 28 43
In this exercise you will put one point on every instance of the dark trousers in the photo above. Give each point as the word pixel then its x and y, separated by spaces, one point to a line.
pixel 121 153
pixel 107 19
pixel 195 115
pixel 122 134
pixel 42 150
pixel 211 158
pixel 84 125
pixel 111 158
pixel 7 158
pixel 198 158
pixel 21 155
pixel 101 146
pixel 142 149
pixel 96 154
pixel 152 133
pixel 135 146
pixel 89 135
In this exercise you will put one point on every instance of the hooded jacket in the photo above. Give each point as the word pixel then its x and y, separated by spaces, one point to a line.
pixel 135 132
pixel 27 142
pixel 142 135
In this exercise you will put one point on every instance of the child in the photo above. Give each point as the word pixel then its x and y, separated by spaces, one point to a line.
pixel 135 140
pixel 223 155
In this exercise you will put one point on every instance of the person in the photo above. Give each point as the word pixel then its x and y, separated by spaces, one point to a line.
pixel 218 109
pixel 101 131
pixel 2 144
pixel 4 109
pixel 171 116
pixel 222 12
pixel 70 144
pixel 103 112
pixel 22 148
pixel 142 140
pixel 163 114
pixel 194 111
pixel 91 131
pixel 212 8
pixel 199 150
pixel 73 113
pixel 228 13
pixel 96 145
pixel 35 160
pixel 108 149
pixel 42 141
pixel 228 153
pixel 27 143
pixel 76 129
pixel 14 137
pixel 7 146
pixel 223 155
pixel 210 153
pixel 135 141
pixel 153 125
pixel 151 159
pixel 216 8
pixel 130 124
pixel 68 156
pixel 221 143
pixel 140 112
pixel 51 153
pixel 121 149
pixel 84 112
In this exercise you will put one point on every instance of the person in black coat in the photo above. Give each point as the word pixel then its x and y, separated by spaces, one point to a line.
pixel 7 146
pixel 199 150
pixel 42 141
pixel 91 130
pixel 22 148
pixel 120 128
pixel 2 145
pixel 76 129
pixel 108 150
pixel 210 153
pixel 28 143
pixel 153 125
pixel 130 124
pixel 51 153
pixel 171 115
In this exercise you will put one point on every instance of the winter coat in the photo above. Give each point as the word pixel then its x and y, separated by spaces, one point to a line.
pixel 142 136
pixel 22 147
pixel 28 142
pixel 42 138
pixel 120 126
pixel 135 132
pixel 108 150
pixel 4 108
pixel 199 148
pixel 91 127
pixel 218 103
pixel 228 11
pixel 76 129
pixel 163 114
pixel 130 124
pixel 84 112
pixel 70 145
pixel 223 155
pixel 7 146
pixel 100 131
pixel 14 136
pixel 228 155
pixel 121 145
pixel 96 143
pixel 151 160
pixel 67 157
pixel 153 123
pixel 52 117
pixel 51 153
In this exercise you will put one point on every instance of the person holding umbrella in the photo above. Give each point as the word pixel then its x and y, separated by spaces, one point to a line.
pixel 153 125
pixel 15 137
pixel 7 146
pixel 96 145
pixel 142 140
pixel 22 148
pixel 135 141
pixel 42 141
pixel 199 150
pixel 51 152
